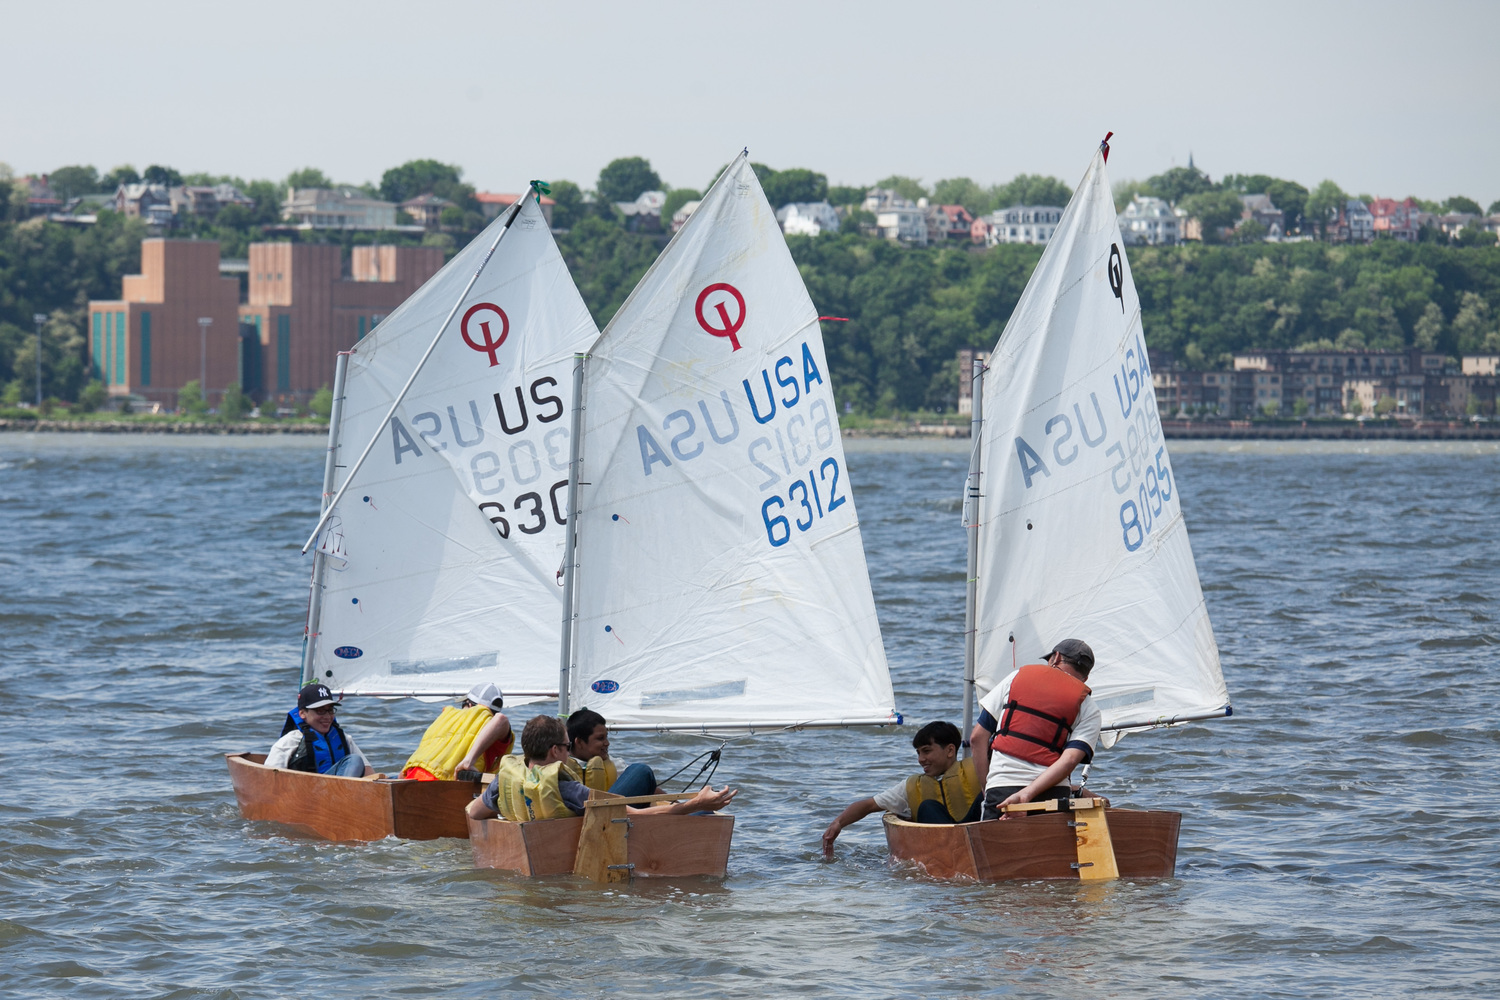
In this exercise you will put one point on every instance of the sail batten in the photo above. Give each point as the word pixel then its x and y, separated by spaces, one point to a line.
pixel 1081 527
pixel 721 572
pixel 451 534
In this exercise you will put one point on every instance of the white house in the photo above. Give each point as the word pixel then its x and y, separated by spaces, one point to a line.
pixel 1150 222
pixel 1024 224
pixel 801 218
pixel 680 217
pixel 906 223
pixel 337 208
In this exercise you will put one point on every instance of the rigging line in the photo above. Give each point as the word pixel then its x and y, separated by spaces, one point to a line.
pixel 711 765
pixel 395 404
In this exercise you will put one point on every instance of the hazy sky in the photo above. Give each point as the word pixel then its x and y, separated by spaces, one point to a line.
pixel 1386 98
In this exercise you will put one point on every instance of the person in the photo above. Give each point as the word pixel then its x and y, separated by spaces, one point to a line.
pixel 319 743
pixel 588 736
pixel 947 790
pixel 476 733
pixel 1040 722
pixel 543 783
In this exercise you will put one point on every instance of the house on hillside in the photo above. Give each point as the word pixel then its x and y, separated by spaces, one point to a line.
pixel 205 199
pixel 1024 224
pixel 680 217
pixel 1259 208
pixel 905 223
pixel 949 222
pixel 877 199
pixel 1453 223
pixel 149 202
pixel 801 218
pixel 1396 219
pixel 40 199
pixel 337 208
pixel 1150 221
pixel 644 214
pixel 426 210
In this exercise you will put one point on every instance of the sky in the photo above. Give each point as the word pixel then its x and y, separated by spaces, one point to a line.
pixel 1384 98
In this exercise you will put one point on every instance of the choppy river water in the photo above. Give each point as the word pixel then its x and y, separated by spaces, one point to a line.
pixel 1338 838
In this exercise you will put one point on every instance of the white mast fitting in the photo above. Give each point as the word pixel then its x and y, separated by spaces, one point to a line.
pixel 971 524
pixel 721 579
pixel 1083 534
pixel 444 545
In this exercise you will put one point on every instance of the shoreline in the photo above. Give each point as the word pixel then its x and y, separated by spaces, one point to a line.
pixel 157 427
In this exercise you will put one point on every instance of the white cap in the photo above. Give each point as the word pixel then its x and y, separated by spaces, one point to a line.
pixel 488 695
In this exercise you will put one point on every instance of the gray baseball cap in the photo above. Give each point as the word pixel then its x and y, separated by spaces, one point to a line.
pixel 1076 652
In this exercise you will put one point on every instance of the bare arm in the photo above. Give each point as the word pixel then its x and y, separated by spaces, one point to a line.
pixel 979 747
pixel 1054 775
pixel 494 731
pixel 853 813
pixel 707 800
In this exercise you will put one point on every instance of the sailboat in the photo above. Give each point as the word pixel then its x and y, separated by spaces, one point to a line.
pixel 436 556
pixel 715 582
pixel 1076 529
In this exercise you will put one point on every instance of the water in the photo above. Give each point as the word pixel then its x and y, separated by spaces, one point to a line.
pixel 1337 837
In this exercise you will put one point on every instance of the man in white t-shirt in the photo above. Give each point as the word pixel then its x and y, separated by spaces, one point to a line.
pixel 1039 723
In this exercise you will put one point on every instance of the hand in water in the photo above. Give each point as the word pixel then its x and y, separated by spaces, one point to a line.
pixel 829 836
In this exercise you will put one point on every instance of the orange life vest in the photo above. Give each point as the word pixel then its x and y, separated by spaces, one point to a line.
pixel 1039 714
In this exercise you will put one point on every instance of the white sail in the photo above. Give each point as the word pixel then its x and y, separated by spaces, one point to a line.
pixel 722 580
pixel 1081 531
pixel 448 543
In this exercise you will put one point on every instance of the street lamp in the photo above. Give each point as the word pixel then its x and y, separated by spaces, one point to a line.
pixel 40 319
pixel 204 322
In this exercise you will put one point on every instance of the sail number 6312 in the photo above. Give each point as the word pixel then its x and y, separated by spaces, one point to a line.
pixel 806 497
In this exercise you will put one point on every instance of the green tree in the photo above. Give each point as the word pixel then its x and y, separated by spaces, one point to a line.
pixel 1356 405
pixel 268 197
pixel 907 187
pixel 69 182
pixel 417 177
pixel 1299 407
pixel 1473 236
pixel 1323 206
pixel 190 399
pixel 1030 189
pixel 234 405
pixel 123 174
pixel 1458 203
pixel 1472 324
pixel 626 178
pixel 1494 208
pixel 676 198
pixel 1125 193
pixel 322 403
pixel 1291 198
pixel 92 397
pixel 569 207
pixel 1247 183
pixel 1385 406
pixel 796 184
pixel 451 217
pixel 308 177
pixel 157 174
pixel 1429 327
pixel 1217 210
pixel 1177 183
pixel 847 194
pixel 963 191
pixel 267 408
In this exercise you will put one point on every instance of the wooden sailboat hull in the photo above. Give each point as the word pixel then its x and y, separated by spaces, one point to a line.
pixel 658 845
pixel 334 808
pixel 1036 846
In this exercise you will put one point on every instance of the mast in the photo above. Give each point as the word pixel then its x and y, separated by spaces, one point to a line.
pixel 971 522
pixel 570 545
pixel 330 464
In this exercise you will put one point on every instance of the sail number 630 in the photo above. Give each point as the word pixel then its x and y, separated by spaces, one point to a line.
pixel 806 497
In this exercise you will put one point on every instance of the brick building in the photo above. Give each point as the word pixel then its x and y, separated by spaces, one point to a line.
pixel 302 310
pixel 147 343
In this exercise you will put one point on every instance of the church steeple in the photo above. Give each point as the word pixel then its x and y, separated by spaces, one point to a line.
pixel 1190 160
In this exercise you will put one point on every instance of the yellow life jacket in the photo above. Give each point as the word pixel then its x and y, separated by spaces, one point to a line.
pixel 542 792
pixel 599 773
pixel 448 739
pixel 510 801
pixel 956 789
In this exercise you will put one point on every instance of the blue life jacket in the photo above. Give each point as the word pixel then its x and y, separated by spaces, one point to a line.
pixel 292 721
pixel 318 752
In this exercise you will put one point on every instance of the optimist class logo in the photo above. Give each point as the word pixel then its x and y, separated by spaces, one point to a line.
pixel 489 345
pixel 725 326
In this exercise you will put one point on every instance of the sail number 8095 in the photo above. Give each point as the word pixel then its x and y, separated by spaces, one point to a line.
pixel 1140 514
pixel 807 499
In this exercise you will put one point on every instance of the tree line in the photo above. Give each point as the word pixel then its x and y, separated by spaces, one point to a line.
pixel 909 309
